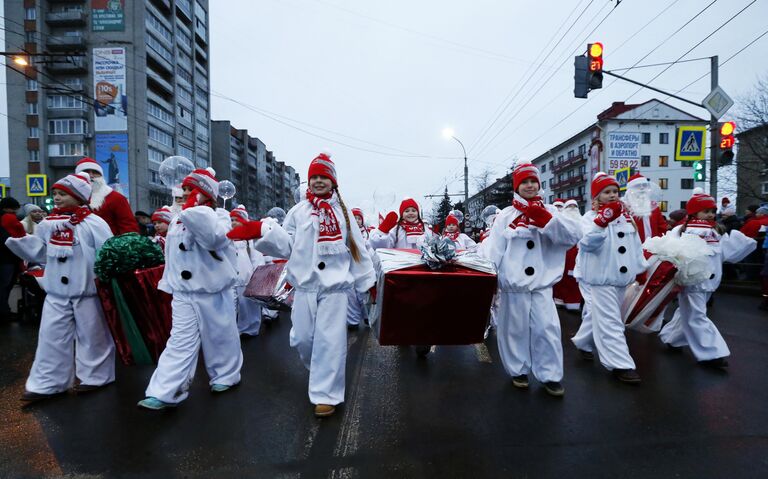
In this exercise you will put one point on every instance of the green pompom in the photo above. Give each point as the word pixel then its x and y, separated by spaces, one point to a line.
pixel 125 253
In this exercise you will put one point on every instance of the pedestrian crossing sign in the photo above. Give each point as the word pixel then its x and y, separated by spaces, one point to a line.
pixel 2 190
pixel 37 185
pixel 622 178
pixel 691 143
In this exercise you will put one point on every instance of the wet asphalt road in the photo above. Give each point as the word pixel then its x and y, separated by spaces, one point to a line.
pixel 455 414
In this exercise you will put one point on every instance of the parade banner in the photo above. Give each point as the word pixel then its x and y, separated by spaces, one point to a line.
pixel 108 15
pixel 109 89
pixel 112 155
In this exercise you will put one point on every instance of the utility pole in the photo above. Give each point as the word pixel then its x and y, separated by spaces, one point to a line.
pixel 714 132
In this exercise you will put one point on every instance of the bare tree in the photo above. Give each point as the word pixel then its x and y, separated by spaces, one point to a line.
pixel 751 170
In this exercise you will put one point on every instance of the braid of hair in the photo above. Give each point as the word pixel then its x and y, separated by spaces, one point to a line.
pixel 353 250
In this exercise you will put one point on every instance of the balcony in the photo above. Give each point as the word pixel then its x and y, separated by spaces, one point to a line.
pixel 64 161
pixel 568 182
pixel 54 113
pixel 71 17
pixel 156 79
pixel 568 163
pixel 68 65
pixel 63 43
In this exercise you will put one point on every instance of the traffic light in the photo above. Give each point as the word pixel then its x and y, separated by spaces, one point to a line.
pixel 726 143
pixel 49 203
pixel 588 71
pixel 699 172
pixel 595 54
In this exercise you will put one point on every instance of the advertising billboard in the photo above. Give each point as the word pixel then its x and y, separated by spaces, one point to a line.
pixel 108 15
pixel 112 155
pixel 109 89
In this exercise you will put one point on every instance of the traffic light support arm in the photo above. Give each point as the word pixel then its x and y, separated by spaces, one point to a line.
pixel 607 72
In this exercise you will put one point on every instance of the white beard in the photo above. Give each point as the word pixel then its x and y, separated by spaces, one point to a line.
pixel 100 191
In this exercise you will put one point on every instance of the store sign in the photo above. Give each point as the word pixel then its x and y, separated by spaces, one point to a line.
pixel 624 145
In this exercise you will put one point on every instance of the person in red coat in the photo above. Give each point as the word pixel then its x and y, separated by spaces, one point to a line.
pixel 107 203
pixel 566 291
pixel 752 227
pixel 646 214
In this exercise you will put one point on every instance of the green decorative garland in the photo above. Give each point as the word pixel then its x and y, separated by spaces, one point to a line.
pixel 125 253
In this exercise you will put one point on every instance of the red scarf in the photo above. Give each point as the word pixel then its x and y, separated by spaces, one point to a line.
pixel 521 205
pixel 63 237
pixel 329 239
pixel 454 236
pixel 412 229
pixel 704 229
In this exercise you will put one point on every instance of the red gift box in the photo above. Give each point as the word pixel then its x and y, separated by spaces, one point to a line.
pixel 268 286
pixel 449 306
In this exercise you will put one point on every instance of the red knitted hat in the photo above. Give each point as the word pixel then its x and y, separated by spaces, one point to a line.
pixel 522 172
pixel 358 213
pixel 239 213
pixel 203 180
pixel 88 164
pixel 323 166
pixel 77 185
pixel 700 201
pixel 451 220
pixel 602 181
pixel 408 203
pixel 162 214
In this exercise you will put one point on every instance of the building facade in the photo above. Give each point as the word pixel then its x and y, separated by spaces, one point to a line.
pixel 260 180
pixel 128 86
pixel 752 168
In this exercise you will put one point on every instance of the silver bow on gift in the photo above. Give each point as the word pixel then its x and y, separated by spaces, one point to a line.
pixel 436 252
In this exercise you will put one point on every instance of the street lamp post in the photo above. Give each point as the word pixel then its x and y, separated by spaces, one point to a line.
pixel 448 133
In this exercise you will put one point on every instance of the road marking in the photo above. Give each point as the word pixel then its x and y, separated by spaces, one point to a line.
pixel 482 353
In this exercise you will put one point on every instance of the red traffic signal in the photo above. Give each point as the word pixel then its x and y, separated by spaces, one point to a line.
pixel 595 53
pixel 727 141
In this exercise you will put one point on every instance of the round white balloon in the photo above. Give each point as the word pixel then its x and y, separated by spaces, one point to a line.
pixel 227 189
pixel 174 169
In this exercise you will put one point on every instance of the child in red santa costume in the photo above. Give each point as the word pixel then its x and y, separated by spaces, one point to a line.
pixel 74 339
pixel 110 205
pixel 161 219
pixel 409 231
pixel 528 244
pixel 248 259
pixel 200 272
pixel 610 257
pixel 690 325
pixel 452 231
pixel 566 291
pixel 327 257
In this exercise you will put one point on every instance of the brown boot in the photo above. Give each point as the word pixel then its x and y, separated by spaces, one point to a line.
pixel 324 410
pixel 629 376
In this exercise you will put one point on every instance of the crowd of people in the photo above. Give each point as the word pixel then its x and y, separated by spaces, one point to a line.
pixel 544 255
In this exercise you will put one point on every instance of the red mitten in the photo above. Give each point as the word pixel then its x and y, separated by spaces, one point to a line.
pixel 13 226
pixel 191 200
pixel 642 277
pixel 607 213
pixel 389 222
pixel 539 215
pixel 248 231
pixel 373 293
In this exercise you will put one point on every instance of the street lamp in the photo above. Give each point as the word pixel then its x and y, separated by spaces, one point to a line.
pixel 20 60
pixel 448 134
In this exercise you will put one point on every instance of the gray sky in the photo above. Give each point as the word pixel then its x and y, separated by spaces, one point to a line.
pixel 396 73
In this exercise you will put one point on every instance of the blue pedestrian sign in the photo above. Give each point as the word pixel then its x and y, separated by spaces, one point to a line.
pixel 622 178
pixel 691 143
pixel 37 185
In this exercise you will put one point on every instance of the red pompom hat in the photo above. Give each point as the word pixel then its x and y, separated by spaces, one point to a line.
pixel 77 185
pixel 451 220
pixel 602 181
pixel 203 180
pixel 408 203
pixel 522 172
pixel 239 213
pixel 162 214
pixel 358 213
pixel 323 166
pixel 700 201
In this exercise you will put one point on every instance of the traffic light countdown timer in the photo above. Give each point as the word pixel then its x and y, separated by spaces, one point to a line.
pixel 727 129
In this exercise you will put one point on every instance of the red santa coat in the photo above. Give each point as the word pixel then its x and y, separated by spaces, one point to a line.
pixel 655 222
pixel 116 211
pixel 566 292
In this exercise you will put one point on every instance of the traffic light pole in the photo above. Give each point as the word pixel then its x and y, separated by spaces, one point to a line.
pixel 671 95
pixel 714 132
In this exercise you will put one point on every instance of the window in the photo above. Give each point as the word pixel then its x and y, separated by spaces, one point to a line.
pixel 34 156
pixel 544 185
pixel 159 48
pixel 683 204
pixel 582 149
pixel 185 116
pixel 31 108
pixel 571 154
pixel 31 85
pixel 202 96
pixel 582 190
pixel 66 102
pixel 160 136
pixel 551 164
pixel 570 193
pixel 66 149
pixel 30 37
pixel 155 156
pixel 764 188
pixel 560 159
pixel 663 138
pixel 582 169
pixel 645 161
pixel 185 151
pixel 154 177
pixel 543 167
pixel 186 76
pixel 30 14
pixel 551 199
pixel 184 93
pixel 160 113
pixel 686 183
pixel 663 182
pixel 159 27
pixel 34 132
pixel 570 174
pixel 183 37
pixel 663 206
pixel 663 161
pixel 67 126
pixel 202 130
pixel 646 139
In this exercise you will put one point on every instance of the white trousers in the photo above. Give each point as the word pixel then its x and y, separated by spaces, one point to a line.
pixel 691 327
pixel 607 325
pixel 319 333
pixel 199 319
pixel 583 337
pixel 248 313
pixel 356 308
pixel 74 340
pixel 528 334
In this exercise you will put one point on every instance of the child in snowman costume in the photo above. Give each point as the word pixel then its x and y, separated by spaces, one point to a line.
pixel 200 272
pixel 406 231
pixel 74 340
pixel 528 242
pixel 248 259
pixel 161 219
pixel 690 325
pixel 327 257
pixel 452 231
pixel 610 257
